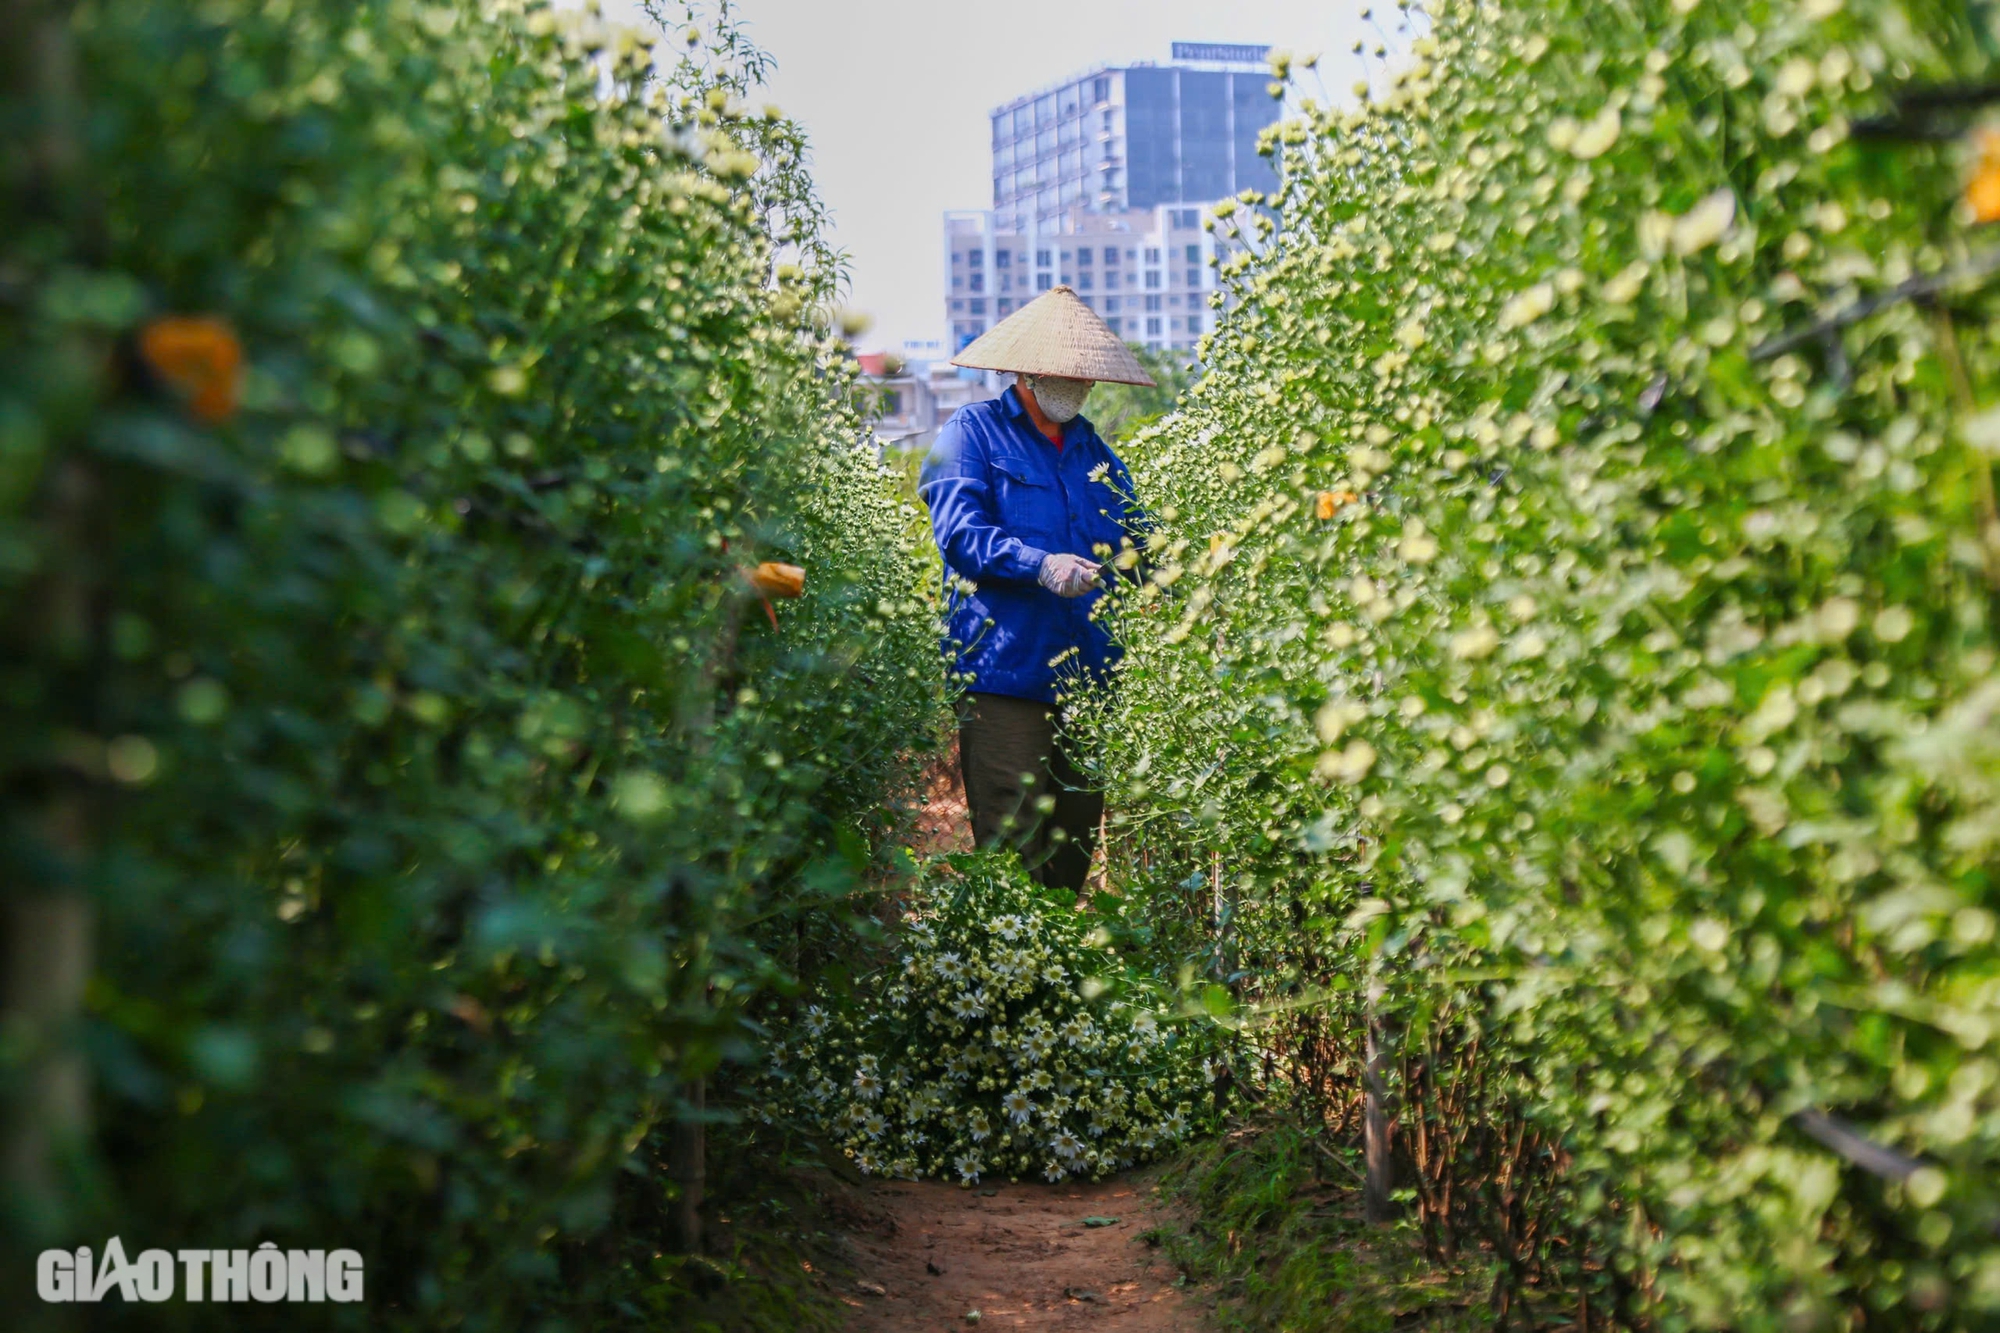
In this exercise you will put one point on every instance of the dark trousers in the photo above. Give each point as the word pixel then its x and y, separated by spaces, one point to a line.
pixel 1022 789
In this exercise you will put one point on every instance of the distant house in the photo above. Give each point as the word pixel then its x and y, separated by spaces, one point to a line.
pixel 916 392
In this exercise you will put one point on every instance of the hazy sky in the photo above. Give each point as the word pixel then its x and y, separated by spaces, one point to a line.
pixel 895 96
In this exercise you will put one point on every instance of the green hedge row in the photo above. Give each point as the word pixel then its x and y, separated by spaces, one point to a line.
pixel 440 789
pixel 1575 617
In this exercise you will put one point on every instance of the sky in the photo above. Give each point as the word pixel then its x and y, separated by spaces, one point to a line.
pixel 895 94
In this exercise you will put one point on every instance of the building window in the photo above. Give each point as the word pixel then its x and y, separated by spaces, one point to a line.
pixel 1090 301
pixel 1042 258
pixel 957 280
pixel 1194 278
pixel 1083 255
pixel 1111 280
pixel 975 259
pixel 892 403
pixel 978 305
pixel 1153 328
pixel 1152 256
pixel 1110 256
pixel 1194 254
pixel 1003 259
pixel 1043 282
pixel 1110 303
pixel 1194 323
pixel 1152 279
pixel 1113 323
pixel 1083 282
pixel 1175 301
pixel 1006 306
pixel 1152 303
pixel 958 305
pixel 1100 91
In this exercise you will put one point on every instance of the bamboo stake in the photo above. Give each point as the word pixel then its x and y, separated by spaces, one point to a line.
pixel 687 1142
pixel 1376 1204
pixel 687 1167
pixel 46 927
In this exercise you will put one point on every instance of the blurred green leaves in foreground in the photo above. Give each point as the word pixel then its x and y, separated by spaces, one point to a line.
pixel 390 397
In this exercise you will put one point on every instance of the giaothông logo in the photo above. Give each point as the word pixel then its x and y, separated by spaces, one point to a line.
pixel 266 1274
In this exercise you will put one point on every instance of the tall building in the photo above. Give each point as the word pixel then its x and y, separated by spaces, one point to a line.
pixel 1119 138
pixel 1148 272
pixel 1103 182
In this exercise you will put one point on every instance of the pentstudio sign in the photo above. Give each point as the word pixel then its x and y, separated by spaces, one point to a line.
pixel 266 1273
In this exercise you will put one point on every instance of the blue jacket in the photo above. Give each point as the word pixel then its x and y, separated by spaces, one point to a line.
pixel 1001 498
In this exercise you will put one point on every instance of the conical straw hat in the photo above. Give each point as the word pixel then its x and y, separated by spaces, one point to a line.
pixel 1055 334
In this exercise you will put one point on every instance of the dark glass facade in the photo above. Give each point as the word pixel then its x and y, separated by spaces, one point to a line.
pixel 1255 108
pixel 1152 172
pixel 1204 134
pixel 1189 136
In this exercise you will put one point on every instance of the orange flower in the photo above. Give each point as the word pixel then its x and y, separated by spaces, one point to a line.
pixel 1329 502
pixel 1982 194
pixel 200 357
pixel 775 580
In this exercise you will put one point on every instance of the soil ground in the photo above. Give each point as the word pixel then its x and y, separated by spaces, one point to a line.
pixel 928 1254
pixel 942 824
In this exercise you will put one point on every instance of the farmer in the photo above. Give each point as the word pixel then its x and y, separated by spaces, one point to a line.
pixel 1028 504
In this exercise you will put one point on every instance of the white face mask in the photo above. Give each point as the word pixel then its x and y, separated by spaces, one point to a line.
pixel 1060 400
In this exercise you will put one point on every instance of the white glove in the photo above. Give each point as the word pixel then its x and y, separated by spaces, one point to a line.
pixel 1067 575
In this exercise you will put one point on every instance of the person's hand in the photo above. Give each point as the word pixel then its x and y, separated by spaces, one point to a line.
pixel 1067 575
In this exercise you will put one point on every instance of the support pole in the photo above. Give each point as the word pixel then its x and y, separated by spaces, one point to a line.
pixel 1376 1203
pixel 46 919
pixel 687 1141
pixel 687 1168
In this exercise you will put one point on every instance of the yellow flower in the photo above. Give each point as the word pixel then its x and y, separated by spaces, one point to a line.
pixel 772 579
pixel 200 358
pixel 1982 192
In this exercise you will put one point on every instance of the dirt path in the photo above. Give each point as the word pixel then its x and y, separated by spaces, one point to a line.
pixel 1018 1254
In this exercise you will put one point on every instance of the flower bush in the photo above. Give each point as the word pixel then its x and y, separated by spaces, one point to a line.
pixel 394 398
pixel 1573 624
pixel 1007 1039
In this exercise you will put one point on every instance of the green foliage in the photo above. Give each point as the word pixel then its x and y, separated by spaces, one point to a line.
pixel 1007 1038
pixel 772 1259
pixel 1273 1224
pixel 1121 411
pixel 441 790
pixel 1632 728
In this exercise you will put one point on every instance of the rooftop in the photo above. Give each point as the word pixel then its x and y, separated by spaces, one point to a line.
pixel 1234 54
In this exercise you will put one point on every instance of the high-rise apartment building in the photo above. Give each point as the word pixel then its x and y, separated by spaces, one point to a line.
pixel 1148 272
pixel 1119 138
pixel 1102 182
